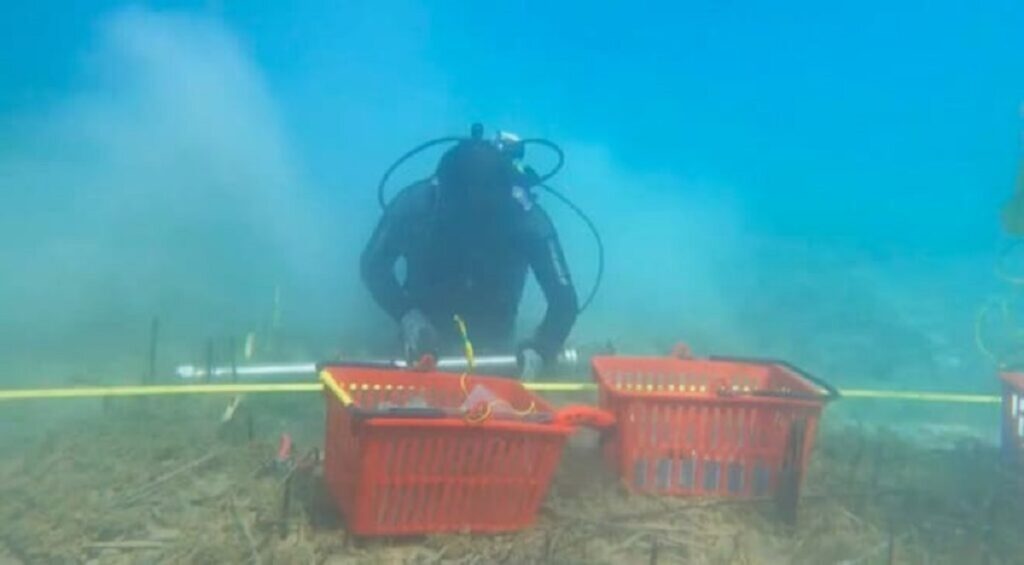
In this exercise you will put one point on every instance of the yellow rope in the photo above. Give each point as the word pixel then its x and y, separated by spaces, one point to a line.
pixel 345 398
pixel 332 385
pixel 923 396
pixel 281 388
pixel 467 346
pixel 154 390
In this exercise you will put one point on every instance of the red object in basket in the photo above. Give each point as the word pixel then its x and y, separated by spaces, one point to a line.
pixel 284 448
pixel 1013 417
pixel 719 427
pixel 401 458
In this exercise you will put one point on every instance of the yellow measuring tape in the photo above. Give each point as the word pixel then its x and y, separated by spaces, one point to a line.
pixel 152 390
pixel 332 385
pixel 948 397
pixel 169 390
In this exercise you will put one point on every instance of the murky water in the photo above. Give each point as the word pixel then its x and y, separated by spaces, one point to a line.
pixel 195 186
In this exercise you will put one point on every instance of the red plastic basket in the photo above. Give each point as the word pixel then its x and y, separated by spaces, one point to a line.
pixel 1013 417
pixel 400 459
pixel 722 427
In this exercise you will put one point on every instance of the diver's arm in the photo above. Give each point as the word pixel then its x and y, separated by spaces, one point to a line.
pixel 377 265
pixel 548 264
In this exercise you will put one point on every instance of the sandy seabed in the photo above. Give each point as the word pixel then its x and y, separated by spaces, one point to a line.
pixel 163 481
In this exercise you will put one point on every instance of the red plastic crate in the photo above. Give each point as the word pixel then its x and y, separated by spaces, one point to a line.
pixel 408 471
pixel 1013 417
pixel 721 427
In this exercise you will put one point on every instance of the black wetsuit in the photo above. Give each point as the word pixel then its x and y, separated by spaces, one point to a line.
pixel 476 267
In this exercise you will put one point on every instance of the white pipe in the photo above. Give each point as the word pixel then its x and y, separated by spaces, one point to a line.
pixel 193 372
pixel 187 372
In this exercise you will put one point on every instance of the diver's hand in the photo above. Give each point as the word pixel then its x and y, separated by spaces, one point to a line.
pixel 530 365
pixel 419 337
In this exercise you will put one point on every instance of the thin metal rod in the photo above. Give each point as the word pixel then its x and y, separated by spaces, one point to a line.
pixel 209 359
pixel 306 369
pixel 154 336
pixel 234 360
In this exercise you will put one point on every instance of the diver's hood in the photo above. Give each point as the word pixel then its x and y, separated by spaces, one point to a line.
pixel 475 173
pixel 474 162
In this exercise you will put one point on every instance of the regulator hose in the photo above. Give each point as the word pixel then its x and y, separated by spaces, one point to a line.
pixel 597 238
pixel 553 147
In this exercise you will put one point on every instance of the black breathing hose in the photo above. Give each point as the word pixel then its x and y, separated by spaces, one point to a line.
pixel 381 197
pixel 552 146
pixel 597 238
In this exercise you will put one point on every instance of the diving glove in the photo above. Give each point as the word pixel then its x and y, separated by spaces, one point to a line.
pixel 419 337
pixel 531 364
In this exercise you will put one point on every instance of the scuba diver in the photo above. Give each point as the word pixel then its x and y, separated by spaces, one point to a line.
pixel 468 236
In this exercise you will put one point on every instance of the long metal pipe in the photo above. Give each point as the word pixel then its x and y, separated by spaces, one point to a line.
pixel 569 357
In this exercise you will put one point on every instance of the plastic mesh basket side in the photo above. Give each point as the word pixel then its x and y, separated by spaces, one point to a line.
pixel 698 427
pixel 409 476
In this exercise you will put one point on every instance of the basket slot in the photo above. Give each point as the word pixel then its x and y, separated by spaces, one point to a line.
pixel 762 479
pixel 459 495
pixel 661 472
pixel 414 460
pixel 715 425
pixel 492 456
pixel 734 481
pixel 451 505
pixel 430 495
pixel 419 458
pixel 444 493
pixel 712 474
pixel 387 498
pixel 687 473
pixel 478 488
pixel 504 456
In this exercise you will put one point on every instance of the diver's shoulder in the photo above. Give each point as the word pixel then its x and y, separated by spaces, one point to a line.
pixel 413 199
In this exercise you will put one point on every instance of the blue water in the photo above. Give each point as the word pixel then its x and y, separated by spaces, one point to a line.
pixel 821 183
pixel 818 182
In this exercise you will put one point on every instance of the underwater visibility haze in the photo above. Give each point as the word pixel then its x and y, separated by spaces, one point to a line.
pixel 816 182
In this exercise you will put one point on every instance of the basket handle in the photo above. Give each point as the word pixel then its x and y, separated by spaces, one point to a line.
pixel 580 415
pixel 832 393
